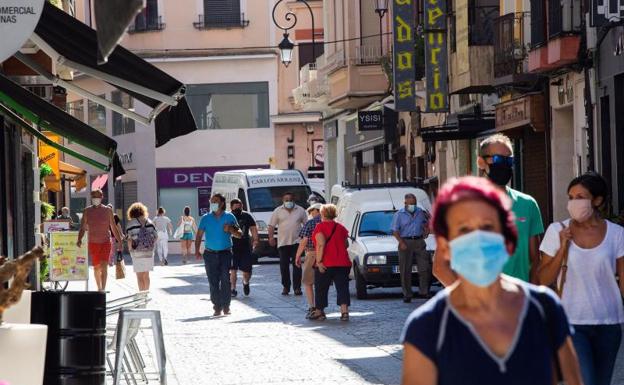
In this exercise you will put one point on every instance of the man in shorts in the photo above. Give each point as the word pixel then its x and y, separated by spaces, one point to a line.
pixel 242 247
pixel 306 245
pixel 98 220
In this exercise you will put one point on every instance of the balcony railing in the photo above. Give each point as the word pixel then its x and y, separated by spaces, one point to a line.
pixel 481 23
pixel 221 21
pixel 147 25
pixel 564 16
pixel 367 54
pixel 509 45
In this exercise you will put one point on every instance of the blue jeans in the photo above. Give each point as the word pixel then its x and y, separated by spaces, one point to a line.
pixel 218 271
pixel 597 348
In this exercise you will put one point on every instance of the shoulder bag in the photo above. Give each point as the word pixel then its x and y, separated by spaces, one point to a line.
pixel 563 269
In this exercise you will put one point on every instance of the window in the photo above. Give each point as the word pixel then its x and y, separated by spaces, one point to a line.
pixel 305 53
pixel 76 109
pixel 121 124
pixel 538 23
pixel 481 15
pixel 229 105
pixel 376 223
pixel 221 14
pixel 97 116
pixel 266 199
pixel 148 19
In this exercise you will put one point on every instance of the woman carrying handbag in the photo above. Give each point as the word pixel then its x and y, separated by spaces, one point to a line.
pixel 581 257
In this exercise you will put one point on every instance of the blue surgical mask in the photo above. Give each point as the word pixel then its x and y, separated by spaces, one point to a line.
pixel 479 256
pixel 289 204
pixel 411 208
pixel 214 207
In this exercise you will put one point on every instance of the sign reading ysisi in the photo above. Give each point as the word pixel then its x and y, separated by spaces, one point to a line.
pixel 436 70
pixel 18 19
pixel 370 120
pixel 404 54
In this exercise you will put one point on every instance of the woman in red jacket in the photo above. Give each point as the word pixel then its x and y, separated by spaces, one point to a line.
pixel 332 264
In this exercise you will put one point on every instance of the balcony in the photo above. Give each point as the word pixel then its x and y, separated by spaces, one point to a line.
pixel 355 76
pixel 233 20
pixel 511 50
pixel 472 56
pixel 555 39
pixel 313 90
pixel 144 25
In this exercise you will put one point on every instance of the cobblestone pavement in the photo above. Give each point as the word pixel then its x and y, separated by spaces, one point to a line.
pixel 267 340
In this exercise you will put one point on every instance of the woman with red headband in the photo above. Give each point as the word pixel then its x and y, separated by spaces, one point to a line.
pixel 486 328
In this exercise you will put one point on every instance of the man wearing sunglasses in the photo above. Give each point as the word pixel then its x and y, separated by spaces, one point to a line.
pixel 496 163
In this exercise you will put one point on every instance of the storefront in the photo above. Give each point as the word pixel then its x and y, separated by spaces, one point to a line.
pixel 180 187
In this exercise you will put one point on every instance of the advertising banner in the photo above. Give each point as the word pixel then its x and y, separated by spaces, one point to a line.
pixel 370 120
pixel 404 29
pixel 203 200
pixel 436 70
pixel 56 225
pixel 68 262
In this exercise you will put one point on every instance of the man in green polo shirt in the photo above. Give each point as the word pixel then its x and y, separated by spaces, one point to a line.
pixel 496 162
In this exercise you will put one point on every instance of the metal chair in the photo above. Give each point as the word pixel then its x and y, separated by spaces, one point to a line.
pixel 125 321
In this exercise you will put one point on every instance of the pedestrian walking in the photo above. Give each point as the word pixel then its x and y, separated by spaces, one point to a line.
pixel 116 247
pixel 219 227
pixel 487 327
pixel 495 160
pixel 288 218
pixel 242 248
pixel 581 257
pixel 332 264
pixel 189 229
pixel 98 220
pixel 410 227
pixel 306 248
pixel 165 230
pixel 142 238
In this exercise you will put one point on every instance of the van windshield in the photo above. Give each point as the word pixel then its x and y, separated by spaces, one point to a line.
pixel 376 223
pixel 269 198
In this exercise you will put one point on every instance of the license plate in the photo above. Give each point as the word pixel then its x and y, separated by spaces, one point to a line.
pixel 395 269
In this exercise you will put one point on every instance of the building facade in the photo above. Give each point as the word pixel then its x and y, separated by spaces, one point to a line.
pixel 216 49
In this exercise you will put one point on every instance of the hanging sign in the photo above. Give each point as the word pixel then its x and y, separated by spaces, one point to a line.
pixel 18 19
pixel 68 262
pixel 604 11
pixel 370 120
pixel 436 70
pixel 404 54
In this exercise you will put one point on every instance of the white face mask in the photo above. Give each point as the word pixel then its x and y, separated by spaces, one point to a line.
pixel 96 201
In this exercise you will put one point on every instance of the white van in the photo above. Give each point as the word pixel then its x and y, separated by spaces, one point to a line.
pixel 261 191
pixel 367 211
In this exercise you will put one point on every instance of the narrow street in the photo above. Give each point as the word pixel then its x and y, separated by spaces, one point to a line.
pixel 267 339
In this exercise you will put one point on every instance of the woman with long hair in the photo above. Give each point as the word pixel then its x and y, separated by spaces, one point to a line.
pixel 188 233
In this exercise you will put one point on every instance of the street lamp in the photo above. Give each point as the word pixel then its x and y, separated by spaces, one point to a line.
pixel 381 8
pixel 286 49
pixel 286 46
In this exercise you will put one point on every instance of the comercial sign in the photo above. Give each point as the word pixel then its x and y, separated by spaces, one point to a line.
pixel 603 11
pixel 203 200
pixel 192 177
pixel 404 29
pixel 436 70
pixel 370 120
pixel 18 19
pixel 51 156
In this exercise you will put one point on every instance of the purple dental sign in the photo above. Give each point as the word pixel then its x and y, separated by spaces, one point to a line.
pixel 192 176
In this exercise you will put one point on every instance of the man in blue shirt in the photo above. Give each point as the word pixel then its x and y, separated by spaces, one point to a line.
pixel 410 227
pixel 219 227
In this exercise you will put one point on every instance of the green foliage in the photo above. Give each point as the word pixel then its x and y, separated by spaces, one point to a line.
pixel 47 211
pixel 44 170
pixel 44 269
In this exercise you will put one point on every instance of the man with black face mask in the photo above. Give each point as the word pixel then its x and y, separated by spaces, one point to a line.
pixel 496 162
pixel 242 249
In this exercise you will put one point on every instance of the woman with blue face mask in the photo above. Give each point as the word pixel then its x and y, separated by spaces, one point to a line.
pixel 486 328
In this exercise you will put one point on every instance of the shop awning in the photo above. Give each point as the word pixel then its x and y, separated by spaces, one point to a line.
pixel 73 44
pixel 15 100
pixel 70 169
pixel 461 128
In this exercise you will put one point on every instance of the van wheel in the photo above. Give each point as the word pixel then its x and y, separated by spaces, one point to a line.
pixel 360 284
